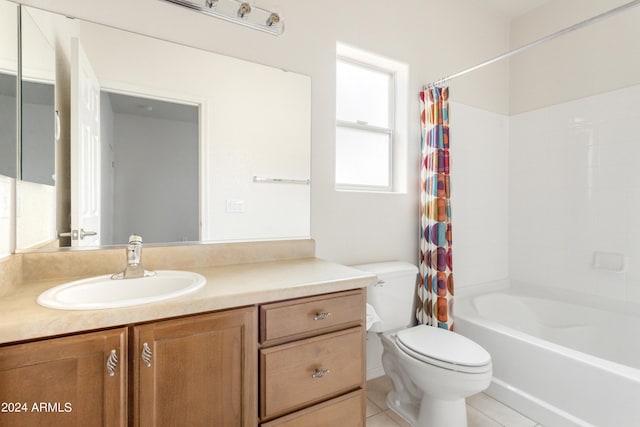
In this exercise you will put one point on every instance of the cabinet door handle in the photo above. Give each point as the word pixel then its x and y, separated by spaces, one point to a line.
pixel 146 355
pixel 319 373
pixel 322 316
pixel 112 363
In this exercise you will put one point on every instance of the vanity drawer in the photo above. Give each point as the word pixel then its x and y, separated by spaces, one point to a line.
pixel 289 320
pixel 300 374
pixel 343 411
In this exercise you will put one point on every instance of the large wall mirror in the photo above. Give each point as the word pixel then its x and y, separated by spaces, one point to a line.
pixel 123 133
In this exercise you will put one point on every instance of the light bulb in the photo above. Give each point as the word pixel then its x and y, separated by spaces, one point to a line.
pixel 245 9
pixel 274 18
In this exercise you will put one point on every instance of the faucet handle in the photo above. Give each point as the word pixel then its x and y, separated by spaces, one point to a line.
pixel 134 238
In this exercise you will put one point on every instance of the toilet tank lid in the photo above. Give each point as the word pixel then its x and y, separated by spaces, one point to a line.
pixel 388 268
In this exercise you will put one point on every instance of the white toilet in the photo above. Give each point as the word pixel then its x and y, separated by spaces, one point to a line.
pixel 433 370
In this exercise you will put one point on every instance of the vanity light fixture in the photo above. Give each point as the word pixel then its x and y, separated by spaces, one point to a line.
pixel 238 11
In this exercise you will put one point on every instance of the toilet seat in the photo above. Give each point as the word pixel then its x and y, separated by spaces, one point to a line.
pixel 443 348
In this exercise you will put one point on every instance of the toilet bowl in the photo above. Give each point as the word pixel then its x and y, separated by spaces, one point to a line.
pixel 432 370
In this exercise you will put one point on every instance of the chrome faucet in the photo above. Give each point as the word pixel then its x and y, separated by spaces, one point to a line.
pixel 134 266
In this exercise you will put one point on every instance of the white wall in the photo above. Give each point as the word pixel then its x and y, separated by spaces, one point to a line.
pixel 348 227
pixel 602 57
pixel 8 42
pixel 38 53
pixel 35 219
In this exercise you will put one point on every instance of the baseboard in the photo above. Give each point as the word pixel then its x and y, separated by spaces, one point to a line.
pixel 375 372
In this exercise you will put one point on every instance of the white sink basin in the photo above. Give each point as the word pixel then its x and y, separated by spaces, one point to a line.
pixel 103 292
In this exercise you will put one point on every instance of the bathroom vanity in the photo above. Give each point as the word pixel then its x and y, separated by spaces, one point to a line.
pixel 278 343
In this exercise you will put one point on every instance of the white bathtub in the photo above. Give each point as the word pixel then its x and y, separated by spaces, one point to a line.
pixel 560 363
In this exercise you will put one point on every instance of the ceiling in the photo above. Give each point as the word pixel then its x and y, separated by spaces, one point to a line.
pixel 132 105
pixel 513 8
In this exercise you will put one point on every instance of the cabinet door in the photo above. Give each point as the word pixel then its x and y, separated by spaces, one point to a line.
pixel 79 380
pixel 197 371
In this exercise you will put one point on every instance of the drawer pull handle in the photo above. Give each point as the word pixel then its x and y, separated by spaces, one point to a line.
pixel 112 363
pixel 319 373
pixel 146 355
pixel 322 316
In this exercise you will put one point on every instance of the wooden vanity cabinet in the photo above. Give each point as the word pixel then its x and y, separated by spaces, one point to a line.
pixel 79 380
pixel 194 371
pixel 312 370
pixel 197 371
pixel 300 364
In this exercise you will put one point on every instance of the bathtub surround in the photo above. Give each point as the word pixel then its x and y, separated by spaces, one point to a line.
pixel 435 291
pixel 480 196
pixel 577 160
pixel 586 238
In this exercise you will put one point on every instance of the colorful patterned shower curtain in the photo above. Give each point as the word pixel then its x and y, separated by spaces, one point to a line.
pixel 435 292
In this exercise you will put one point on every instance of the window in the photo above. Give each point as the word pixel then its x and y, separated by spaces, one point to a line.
pixel 367 134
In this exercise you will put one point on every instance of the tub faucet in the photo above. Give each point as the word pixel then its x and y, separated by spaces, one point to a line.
pixel 134 266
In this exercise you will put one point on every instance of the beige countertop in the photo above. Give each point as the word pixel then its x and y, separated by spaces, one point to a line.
pixel 21 318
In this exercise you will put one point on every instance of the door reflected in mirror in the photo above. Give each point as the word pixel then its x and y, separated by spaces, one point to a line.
pixel 150 170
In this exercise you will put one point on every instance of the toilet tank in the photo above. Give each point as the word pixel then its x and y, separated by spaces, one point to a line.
pixel 393 296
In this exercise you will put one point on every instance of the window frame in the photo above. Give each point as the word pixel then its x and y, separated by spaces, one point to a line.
pixel 365 126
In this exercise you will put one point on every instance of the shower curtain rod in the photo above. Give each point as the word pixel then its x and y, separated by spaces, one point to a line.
pixel 545 39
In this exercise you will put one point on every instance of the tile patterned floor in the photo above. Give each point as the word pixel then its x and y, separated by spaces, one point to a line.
pixel 482 410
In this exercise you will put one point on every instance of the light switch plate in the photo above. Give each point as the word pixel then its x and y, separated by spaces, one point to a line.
pixel 235 206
